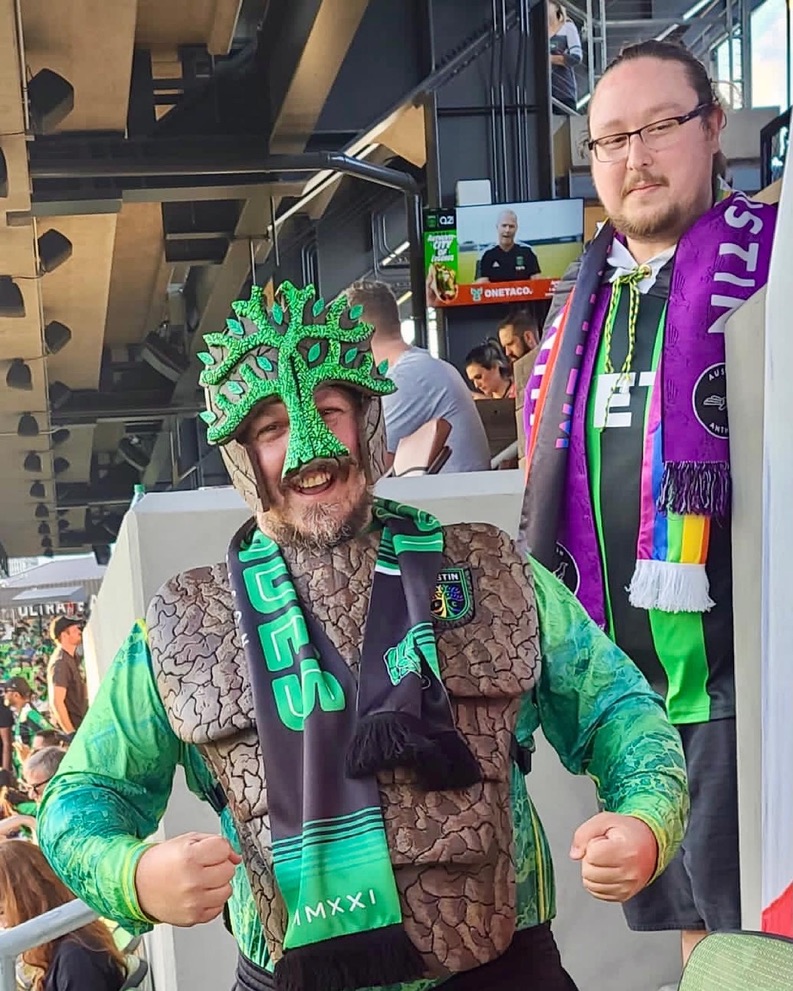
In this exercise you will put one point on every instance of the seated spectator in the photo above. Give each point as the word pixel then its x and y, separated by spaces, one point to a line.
pixel 39 769
pixel 488 369
pixel 68 697
pixel 427 388
pixel 48 738
pixel 86 959
pixel 28 721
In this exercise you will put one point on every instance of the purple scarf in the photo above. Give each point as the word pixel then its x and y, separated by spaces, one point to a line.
pixel 720 262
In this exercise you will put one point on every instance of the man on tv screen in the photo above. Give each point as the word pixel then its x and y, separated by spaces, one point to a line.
pixel 509 260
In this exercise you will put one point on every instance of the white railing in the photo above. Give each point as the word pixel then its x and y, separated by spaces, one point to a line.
pixel 19 939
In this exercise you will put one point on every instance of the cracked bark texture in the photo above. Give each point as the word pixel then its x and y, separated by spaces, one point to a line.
pixel 452 851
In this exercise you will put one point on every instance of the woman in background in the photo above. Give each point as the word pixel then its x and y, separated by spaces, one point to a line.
pixel 566 53
pixel 84 960
pixel 490 372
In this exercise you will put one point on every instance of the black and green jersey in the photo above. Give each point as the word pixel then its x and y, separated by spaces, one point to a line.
pixel 686 657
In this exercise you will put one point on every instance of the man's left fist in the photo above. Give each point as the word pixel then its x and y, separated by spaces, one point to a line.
pixel 618 855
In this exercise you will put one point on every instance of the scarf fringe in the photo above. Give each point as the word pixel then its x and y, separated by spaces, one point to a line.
pixel 358 960
pixel 671 587
pixel 387 740
pixel 693 488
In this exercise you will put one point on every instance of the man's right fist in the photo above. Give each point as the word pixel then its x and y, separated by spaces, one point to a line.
pixel 186 880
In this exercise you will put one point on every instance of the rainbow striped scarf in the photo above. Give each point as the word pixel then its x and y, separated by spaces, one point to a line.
pixel 720 262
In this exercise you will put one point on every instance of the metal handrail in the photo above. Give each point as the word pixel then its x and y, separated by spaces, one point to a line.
pixel 51 925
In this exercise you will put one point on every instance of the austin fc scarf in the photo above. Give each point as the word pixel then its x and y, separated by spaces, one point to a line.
pixel 323 739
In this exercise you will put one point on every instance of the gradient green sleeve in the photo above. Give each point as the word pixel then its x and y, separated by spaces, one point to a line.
pixel 112 789
pixel 600 715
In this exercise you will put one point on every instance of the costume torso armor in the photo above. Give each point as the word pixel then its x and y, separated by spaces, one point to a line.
pixel 451 851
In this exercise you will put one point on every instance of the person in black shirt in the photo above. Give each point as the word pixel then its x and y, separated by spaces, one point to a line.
pixel 85 960
pixel 509 260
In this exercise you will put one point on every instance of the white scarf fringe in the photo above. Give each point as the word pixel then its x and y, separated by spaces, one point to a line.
pixel 670 587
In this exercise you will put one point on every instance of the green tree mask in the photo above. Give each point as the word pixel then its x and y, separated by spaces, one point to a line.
pixel 287 353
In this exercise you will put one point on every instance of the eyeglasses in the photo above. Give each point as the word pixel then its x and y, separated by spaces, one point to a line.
pixel 656 136
pixel 36 790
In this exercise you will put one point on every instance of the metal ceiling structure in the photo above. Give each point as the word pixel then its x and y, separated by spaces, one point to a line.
pixel 172 146
pixel 152 155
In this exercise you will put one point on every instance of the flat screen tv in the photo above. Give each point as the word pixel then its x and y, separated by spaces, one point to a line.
pixel 500 253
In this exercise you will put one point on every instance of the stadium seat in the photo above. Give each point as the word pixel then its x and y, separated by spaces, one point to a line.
pixel 740 961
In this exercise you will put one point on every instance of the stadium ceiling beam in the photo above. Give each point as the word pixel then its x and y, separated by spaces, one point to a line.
pixel 304 69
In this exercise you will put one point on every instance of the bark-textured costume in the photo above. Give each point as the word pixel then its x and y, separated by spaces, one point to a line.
pixel 364 711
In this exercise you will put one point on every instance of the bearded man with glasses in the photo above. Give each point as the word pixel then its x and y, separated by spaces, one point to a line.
pixel 628 478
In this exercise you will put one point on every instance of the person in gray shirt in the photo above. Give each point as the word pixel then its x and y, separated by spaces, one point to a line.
pixel 427 388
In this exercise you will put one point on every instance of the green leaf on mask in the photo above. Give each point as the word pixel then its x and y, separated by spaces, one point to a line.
pixel 235 388
pixel 350 355
pixel 278 313
pixel 383 367
pixel 264 363
pixel 318 307
pixel 206 358
pixel 356 311
pixel 235 328
pixel 314 353
pixel 208 416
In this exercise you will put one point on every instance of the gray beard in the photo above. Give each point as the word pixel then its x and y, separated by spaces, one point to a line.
pixel 320 528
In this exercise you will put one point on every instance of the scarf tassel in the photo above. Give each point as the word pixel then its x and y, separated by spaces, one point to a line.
pixel 358 960
pixel 387 740
pixel 670 587
pixel 693 488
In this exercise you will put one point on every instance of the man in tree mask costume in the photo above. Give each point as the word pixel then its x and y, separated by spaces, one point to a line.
pixel 356 692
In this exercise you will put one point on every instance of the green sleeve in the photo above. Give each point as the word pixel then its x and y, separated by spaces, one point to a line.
pixel 37 721
pixel 600 715
pixel 112 789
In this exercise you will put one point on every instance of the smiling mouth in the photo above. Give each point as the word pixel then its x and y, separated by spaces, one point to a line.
pixel 313 483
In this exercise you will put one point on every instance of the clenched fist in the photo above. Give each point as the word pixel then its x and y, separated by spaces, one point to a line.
pixel 618 855
pixel 187 879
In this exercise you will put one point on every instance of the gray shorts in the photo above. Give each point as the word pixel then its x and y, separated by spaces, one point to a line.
pixel 700 889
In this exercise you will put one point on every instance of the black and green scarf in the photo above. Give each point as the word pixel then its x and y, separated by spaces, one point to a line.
pixel 321 753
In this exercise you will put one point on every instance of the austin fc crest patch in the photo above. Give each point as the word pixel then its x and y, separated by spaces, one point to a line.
pixel 453 596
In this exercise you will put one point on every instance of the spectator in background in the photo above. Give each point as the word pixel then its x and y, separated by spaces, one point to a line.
pixel 28 721
pixel 68 697
pixel 489 371
pixel 6 737
pixel 38 769
pixel 520 336
pixel 427 388
pixel 48 738
pixel 509 260
pixel 86 959
pixel 566 53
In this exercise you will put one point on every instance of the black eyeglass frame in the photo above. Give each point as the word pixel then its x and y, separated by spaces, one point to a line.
pixel 35 790
pixel 698 111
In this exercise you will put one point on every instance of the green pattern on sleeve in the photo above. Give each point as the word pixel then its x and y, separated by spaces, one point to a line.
pixel 603 719
pixel 111 789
